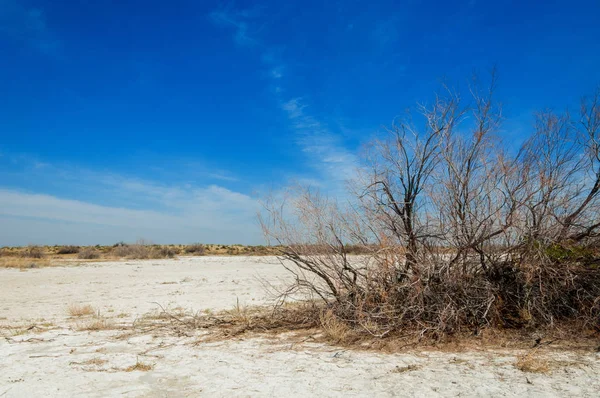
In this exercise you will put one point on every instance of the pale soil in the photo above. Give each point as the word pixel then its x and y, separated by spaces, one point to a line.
pixel 57 359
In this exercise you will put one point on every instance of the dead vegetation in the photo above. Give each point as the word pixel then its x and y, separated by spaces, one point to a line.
pixel 235 322
pixel 96 324
pixel 88 253
pixel 91 362
pixel 533 362
pixel 407 368
pixel 302 321
pixel 139 366
pixel 459 233
pixel 196 249
pixel 43 256
pixel 78 310
pixel 68 250
pixel 33 252
pixel 23 263
pixel 89 318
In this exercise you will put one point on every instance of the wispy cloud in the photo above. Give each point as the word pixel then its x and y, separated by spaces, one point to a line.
pixel 277 72
pixel 325 149
pixel 27 25
pixel 328 157
pixel 238 20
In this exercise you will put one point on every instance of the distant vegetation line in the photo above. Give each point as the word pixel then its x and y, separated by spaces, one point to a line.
pixel 35 256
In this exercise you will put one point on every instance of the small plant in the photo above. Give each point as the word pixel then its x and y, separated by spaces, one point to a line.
pixel 532 363
pixel 139 366
pixel 334 328
pixel 77 310
pixel 241 314
pixel 96 324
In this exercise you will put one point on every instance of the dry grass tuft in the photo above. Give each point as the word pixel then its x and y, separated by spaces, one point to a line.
pixel 241 314
pixel 91 362
pixel 96 324
pixel 77 310
pixel 23 263
pixel 334 329
pixel 532 363
pixel 139 366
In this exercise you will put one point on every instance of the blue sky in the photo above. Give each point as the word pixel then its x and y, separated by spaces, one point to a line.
pixel 169 121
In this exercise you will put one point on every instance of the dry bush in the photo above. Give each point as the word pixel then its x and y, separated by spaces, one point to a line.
pixel 197 249
pixel 142 250
pixel 459 233
pixel 76 310
pixel 88 253
pixel 68 250
pixel 122 251
pixel 163 252
pixel 33 252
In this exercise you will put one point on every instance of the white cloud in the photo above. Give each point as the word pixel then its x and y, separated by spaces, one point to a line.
pixel 325 148
pixel 160 213
pixel 333 163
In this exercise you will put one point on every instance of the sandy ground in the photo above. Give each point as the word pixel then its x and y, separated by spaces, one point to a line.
pixel 57 359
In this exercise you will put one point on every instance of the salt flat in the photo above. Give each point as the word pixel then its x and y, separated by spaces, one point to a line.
pixel 55 358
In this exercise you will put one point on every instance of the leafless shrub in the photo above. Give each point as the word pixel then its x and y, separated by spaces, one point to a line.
pixel 140 250
pixel 68 250
pixel 33 252
pixel 197 249
pixel 135 251
pixel 88 253
pixel 163 252
pixel 459 233
pixel 143 250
